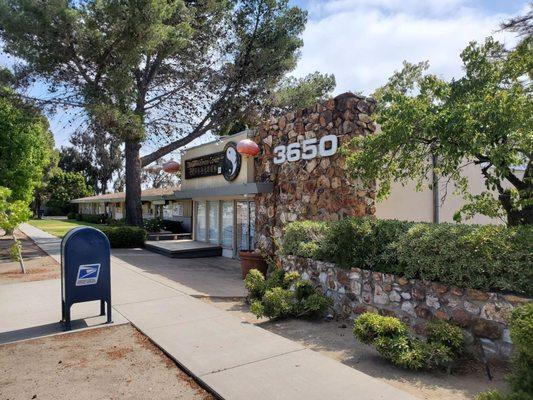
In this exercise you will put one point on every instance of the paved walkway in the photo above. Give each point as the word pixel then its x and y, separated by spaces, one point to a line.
pixel 236 360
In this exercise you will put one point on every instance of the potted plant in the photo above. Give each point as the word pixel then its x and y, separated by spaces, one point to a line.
pixel 252 260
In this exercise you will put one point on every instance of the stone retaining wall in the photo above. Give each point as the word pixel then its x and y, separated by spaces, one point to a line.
pixel 319 189
pixel 482 315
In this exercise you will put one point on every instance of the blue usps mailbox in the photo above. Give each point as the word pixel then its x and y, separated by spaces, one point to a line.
pixel 85 270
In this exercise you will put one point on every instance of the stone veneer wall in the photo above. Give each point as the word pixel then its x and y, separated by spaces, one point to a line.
pixel 317 189
pixel 481 314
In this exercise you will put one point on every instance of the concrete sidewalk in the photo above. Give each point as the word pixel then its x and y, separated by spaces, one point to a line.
pixel 236 360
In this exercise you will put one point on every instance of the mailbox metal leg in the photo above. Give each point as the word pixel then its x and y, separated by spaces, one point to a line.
pixel 66 317
pixel 109 319
pixel 102 307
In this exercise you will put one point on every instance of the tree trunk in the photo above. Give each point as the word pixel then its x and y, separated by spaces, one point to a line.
pixel 133 184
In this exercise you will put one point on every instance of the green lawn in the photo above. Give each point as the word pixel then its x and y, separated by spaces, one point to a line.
pixel 59 227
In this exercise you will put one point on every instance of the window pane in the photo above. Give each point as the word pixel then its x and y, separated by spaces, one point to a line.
pixel 252 224
pixel 213 221
pixel 227 224
pixel 242 226
pixel 200 221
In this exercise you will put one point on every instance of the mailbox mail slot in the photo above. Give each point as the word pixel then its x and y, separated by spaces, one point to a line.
pixel 85 270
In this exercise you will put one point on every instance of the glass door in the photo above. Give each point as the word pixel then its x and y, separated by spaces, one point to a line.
pixel 245 225
pixel 200 221
pixel 212 221
pixel 227 224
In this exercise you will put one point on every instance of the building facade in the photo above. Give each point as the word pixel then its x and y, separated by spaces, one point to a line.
pixel 243 203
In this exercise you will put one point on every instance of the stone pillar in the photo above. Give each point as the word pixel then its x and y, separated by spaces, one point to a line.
pixel 318 189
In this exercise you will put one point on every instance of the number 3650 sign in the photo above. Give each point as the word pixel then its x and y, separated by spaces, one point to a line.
pixel 306 150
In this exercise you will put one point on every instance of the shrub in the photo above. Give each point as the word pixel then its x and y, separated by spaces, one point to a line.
pixel 297 234
pixel 449 335
pixel 255 284
pixel 276 303
pixel 521 326
pixel 94 218
pixel 480 257
pixel 72 215
pixel 153 225
pixel 521 378
pixel 369 326
pixel 125 236
pixel 116 222
pixel 391 339
pixel 284 294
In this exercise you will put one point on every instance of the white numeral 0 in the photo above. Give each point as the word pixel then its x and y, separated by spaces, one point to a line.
pixel 322 145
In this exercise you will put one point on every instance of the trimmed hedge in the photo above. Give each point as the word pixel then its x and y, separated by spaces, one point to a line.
pixel 486 257
pixel 93 218
pixel 125 236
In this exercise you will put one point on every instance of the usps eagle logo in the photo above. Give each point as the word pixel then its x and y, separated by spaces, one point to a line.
pixel 88 274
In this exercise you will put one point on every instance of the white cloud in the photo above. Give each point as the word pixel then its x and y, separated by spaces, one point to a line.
pixel 362 42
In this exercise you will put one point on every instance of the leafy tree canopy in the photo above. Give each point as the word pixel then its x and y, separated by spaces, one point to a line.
pixel 96 154
pixel 160 71
pixel 26 144
pixel 64 187
pixel 12 212
pixel 485 118
pixel 290 94
pixel 297 93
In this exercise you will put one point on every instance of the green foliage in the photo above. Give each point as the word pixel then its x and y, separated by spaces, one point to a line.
pixel 113 59
pixel 12 212
pixel 370 326
pixel 276 303
pixel 15 251
pixel 125 236
pixel 283 295
pixel 72 215
pixel 26 145
pixel 64 187
pixel 153 225
pixel 93 218
pixel 481 257
pixel 444 333
pixel 521 326
pixel 484 118
pixel 255 284
pixel 298 93
pixel 298 234
pixel 391 339
pixel 521 378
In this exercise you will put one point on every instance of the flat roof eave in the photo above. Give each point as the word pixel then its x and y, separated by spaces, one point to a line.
pixel 226 190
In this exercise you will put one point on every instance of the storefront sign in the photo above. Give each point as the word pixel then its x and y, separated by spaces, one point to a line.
pixel 227 163
pixel 306 150
pixel 209 165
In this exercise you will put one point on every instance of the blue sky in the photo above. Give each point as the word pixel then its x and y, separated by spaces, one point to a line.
pixel 363 41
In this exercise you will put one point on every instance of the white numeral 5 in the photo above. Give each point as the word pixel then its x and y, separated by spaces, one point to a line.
pixel 309 149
